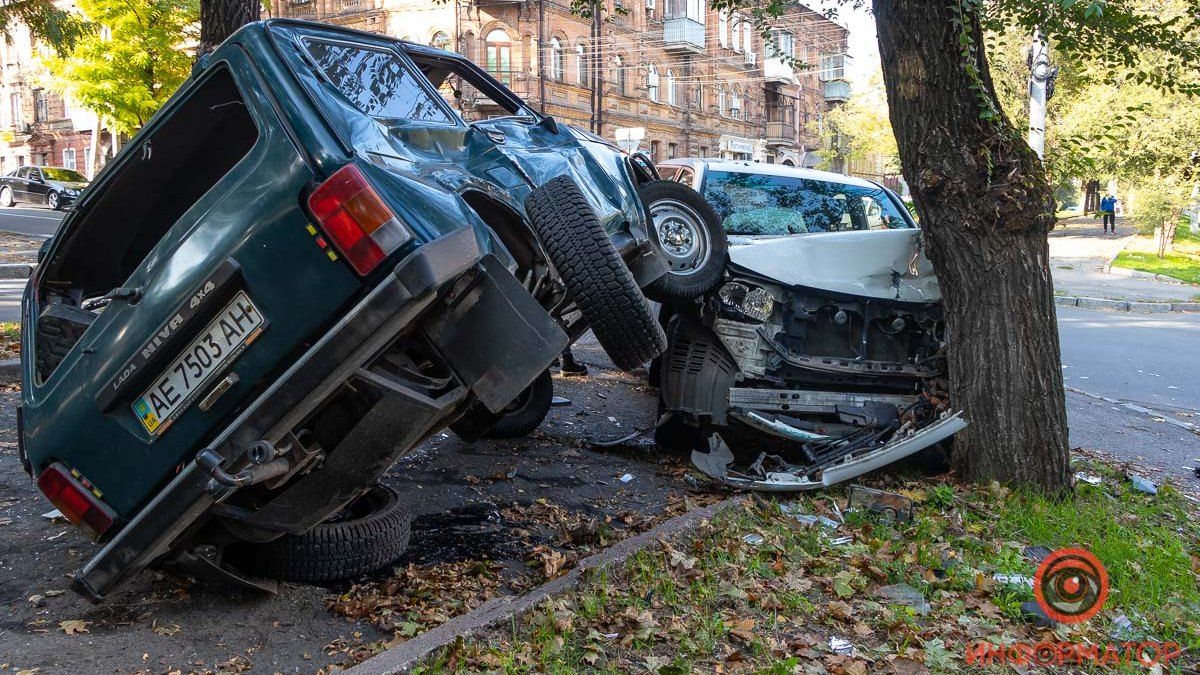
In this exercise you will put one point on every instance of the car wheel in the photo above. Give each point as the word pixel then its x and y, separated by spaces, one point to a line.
pixel 370 533
pixel 595 276
pixel 52 200
pixel 526 413
pixel 6 197
pixel 688 235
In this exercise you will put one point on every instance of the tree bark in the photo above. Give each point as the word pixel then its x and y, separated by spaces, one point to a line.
pixel 985 209
pixel 220 18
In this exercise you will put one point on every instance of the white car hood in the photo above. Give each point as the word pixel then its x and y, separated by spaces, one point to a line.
pixel 887 264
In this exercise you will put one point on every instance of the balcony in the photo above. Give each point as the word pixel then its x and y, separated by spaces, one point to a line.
pixel 836 91
pixel 683 35
pixel 780 133
pixel 775 69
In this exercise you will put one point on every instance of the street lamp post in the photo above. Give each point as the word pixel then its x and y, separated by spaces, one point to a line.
pixel 1041 88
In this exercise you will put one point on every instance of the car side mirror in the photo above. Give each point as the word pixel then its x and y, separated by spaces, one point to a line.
pixel 44 249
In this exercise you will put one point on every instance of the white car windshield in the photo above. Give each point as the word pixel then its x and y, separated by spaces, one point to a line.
pixel 758 204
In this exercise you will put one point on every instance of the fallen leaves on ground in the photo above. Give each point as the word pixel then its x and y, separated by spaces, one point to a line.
pixel 74 626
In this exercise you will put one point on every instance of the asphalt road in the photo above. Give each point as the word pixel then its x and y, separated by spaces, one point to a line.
pixel 31 221
pixel 1132 387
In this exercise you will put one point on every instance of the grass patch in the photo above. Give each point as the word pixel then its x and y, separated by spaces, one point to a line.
pixel 1182 262
pixel 10 339
pixel 756 591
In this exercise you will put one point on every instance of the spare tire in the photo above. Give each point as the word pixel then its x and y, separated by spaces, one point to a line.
pixel 595 276
pixel 689 237
pixel 370 533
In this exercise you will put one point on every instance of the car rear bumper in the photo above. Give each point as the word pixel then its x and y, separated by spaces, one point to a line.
pixel 442 278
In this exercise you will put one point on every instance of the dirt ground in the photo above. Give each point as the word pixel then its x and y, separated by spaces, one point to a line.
pixel 504 502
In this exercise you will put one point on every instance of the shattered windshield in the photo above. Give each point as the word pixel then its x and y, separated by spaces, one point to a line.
pixel 758 204
pixel 377 82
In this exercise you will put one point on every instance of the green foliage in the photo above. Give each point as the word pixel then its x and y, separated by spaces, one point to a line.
pixel 46 22
pixel 860 129
pixel 132 64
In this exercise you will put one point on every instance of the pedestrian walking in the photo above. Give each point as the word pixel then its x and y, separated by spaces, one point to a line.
pixel 1108 209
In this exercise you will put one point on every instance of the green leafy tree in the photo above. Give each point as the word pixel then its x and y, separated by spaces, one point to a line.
pixel 47 22
pixel 860 130
pixel 127 68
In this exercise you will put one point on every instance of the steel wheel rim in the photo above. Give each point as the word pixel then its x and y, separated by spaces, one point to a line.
pixel 53 200
pixel 682 237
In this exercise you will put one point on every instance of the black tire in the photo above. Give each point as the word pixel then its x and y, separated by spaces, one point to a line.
pixel 371 533
pixel 59 327
pixel 526 413
pixel 688 235
pixel 595 276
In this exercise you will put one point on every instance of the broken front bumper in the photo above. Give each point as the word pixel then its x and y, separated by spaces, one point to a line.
pixel 719 457
pixel 474 295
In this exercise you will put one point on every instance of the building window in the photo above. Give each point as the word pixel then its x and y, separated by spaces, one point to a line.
pixel 441 40
pixel 782 44
pixel 654 150
pixel 671 97
pixel 721 100
pixel 20 160
pixel 670 151
pixel 723 28
pixel 652 83
pixel 14 101
pixel 704 151
pixel 620 78
pixel 498 55
pixel 581 66
pixel 736 34
pixel 41 106
pixel 68 158
pixel 747 37
pixel 735 104
pixel 468 46
pixel 556 59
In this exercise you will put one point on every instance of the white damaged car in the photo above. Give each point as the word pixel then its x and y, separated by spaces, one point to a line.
pixel 820 355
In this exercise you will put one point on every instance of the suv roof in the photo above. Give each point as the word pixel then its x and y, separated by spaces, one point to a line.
pixel 743 166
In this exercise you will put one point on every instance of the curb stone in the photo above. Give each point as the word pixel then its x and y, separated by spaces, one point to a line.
pixel 1135 306
pixel 10 371
pixel 15 270
pixel 406 655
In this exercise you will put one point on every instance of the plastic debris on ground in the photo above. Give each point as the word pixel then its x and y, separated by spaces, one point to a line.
pixel 626 478
pixel 753 539
pixel 559 402
pixel 1143 484
pixel 1122 628
pixel 806 519
pixel 1088 478
pixel 1036 554
pixel 53 515
pixel 903 594
pixel 887 505
pixel 841 646
pixel 1033 611
pixel 1014 579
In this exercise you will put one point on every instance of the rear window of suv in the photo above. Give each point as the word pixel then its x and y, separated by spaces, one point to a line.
pixel 377 82
pixel 761 204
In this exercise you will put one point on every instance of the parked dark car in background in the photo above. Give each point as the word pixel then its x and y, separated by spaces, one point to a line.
pixel 48 185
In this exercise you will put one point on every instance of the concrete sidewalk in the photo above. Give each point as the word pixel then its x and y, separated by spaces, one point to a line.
pixel 1080 254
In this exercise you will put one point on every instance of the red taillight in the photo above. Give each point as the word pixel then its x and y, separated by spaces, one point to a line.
pixel 356 220
pixel 76 502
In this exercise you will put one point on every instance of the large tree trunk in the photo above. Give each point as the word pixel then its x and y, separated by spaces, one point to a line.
pixel 220 18
pixel 985 210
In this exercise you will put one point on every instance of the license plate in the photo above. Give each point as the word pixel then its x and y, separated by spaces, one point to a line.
pixel 222 341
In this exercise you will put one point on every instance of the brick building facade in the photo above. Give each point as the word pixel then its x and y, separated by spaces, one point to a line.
pixel 698 82
pixel 37 125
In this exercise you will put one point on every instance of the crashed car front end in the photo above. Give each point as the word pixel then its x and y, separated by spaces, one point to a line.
pixel 820 358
